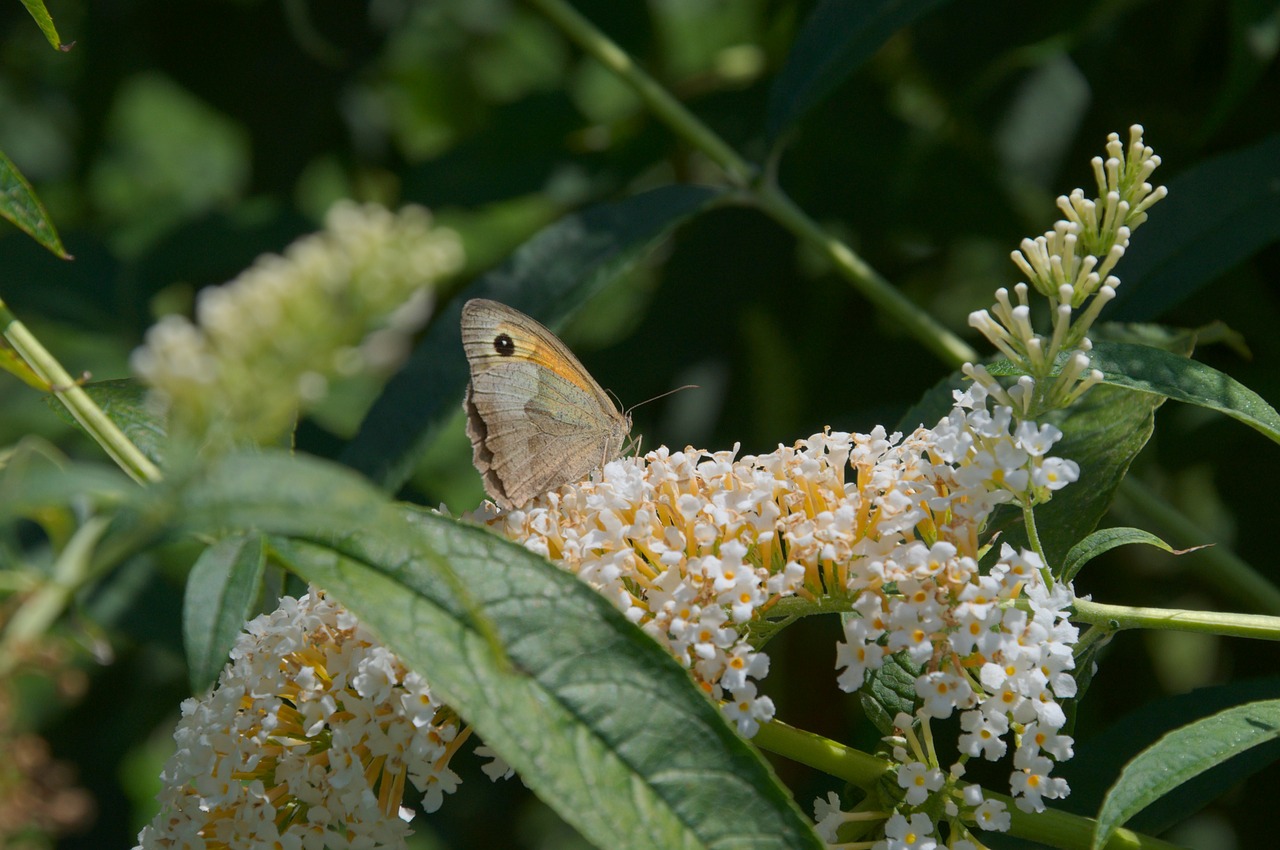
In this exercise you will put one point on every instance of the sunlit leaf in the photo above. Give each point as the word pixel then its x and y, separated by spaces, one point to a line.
pixel 1104 540
pixel 45 22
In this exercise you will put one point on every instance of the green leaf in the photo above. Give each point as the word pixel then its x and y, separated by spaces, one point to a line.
pixel 1181 755
pixel 34 478
pixel 548 277
pixel 1102 433
pixel 890 690
pixel 1101 756
pixel 222 592
pixel 836 39
pixel 1217 215
pixel 125 402
pixel 600 721
pixel 1152 370
pixel 45 22
pixel 1104 540
pixel 19 204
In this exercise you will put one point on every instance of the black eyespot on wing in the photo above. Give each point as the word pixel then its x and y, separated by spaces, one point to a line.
pixel 503 344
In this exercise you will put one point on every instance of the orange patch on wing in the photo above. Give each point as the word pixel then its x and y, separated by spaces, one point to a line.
pixel 529 348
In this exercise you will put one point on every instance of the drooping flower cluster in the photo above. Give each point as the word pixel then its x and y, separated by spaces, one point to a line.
pixel 1070 266
pixel 337 303
pixel 306 742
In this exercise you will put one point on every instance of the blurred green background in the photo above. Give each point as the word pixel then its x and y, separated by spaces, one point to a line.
pixel 178 141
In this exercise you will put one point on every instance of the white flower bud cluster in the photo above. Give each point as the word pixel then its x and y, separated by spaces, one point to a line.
pixel 305 743
pixel 1070 266
pixel 336 303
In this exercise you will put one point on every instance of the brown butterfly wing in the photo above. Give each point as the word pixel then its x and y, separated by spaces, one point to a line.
pixel 535 417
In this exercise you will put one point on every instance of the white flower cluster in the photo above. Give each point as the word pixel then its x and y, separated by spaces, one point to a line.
pixel 305 743
pixel 336 303
pixel 695 547
pixel 1069 265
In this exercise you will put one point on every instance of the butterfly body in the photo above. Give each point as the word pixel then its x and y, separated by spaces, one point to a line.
pixel 535 416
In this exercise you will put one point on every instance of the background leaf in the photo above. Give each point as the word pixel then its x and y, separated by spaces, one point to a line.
pixel 19 204
pixel 1216 215
pixel 222 593
pixel 547 278
pixel 836 39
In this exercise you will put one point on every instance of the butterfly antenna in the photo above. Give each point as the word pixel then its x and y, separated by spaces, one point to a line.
pixel 663 395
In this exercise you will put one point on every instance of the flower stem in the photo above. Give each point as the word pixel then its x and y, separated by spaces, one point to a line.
pixel 77 401
pixel 832 758
pixel 1173 619
pixel 1054 828
pixel 43 607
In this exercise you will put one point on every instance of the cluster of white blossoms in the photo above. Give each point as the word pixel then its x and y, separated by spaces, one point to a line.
pixel 336 303
pixel 699 547
pixel 306 742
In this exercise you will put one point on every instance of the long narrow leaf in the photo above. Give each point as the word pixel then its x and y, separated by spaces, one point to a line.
pixel 1153 370
pixel 221 593
pixel 19 204
pixel 1216 215
pixel 836 39
pixel 1182 755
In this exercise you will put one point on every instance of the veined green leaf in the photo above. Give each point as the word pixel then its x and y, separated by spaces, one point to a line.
pixel 125 402
pixel 890 690
pixel 600 721
pixel 1152 370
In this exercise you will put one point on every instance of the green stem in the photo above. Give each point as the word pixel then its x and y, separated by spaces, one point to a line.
pixel 39 611
pixel 77 401
pixel 1169 619
pixel 949 348
pixel 1054 828
pixel 659 101
pixel 1217 565
pixel 743 175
